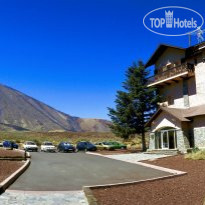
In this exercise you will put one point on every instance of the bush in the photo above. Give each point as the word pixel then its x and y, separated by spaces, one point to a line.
pixel 197 155
pixel 195 149
pixel 37 142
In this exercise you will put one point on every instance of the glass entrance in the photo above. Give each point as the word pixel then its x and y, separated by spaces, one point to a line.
pixel 165 139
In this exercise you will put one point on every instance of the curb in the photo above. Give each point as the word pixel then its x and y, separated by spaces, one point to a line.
pixel 89 195
pixel 13 158
pixel 28 155
pixel 9 180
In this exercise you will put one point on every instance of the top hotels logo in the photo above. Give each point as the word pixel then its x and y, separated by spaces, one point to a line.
pixel 173 21
pixel 169 19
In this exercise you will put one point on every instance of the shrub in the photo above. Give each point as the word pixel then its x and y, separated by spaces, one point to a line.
pixel 195 149
pixel 197 155
pixel 37 142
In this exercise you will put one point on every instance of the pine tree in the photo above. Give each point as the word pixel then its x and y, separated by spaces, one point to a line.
pixel 134 105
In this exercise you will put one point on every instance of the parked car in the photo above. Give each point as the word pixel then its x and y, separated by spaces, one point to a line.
pixel 86 146
pixel 66 147
pixel 1 144
pixel 48 147
pixel 30 146
pixel 104 146
pixel 118 145
pixel 10 144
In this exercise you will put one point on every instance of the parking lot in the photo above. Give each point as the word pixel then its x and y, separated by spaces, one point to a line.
pixel 72 171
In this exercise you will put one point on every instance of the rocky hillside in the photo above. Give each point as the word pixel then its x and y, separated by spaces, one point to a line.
pixel 21 112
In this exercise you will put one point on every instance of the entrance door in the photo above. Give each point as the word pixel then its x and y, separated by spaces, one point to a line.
pixel 165 139
pixel 172 139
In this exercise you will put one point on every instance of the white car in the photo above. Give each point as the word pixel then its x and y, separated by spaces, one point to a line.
pixel 30 146
pixel 48 147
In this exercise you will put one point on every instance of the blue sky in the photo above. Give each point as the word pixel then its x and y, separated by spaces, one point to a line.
pixel 73 54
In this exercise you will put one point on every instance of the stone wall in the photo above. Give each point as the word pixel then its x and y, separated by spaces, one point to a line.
pixel 152 141
pixel 199 97
pixel 182 141
pixel 199 137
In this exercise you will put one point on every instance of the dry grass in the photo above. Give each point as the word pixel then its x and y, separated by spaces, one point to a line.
pixel 199 155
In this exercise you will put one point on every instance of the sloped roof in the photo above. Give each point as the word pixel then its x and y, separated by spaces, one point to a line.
pixel 182 115
pixel 177 113
pixel 195 111
pixel 161 48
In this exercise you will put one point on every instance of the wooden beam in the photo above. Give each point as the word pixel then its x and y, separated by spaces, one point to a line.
pixel 175 80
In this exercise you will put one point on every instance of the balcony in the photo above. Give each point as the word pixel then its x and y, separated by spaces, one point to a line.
pixel 174 73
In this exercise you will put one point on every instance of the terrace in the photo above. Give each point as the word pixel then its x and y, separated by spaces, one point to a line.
pixel 171 73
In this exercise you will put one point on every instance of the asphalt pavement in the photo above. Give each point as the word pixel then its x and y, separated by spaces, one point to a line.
pixel 72 171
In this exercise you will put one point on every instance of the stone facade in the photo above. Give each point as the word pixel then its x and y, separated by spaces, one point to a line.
pixel 152 141
pixel 182 141
pixel 199 137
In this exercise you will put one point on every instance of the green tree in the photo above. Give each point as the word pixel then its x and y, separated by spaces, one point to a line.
pixel 134 105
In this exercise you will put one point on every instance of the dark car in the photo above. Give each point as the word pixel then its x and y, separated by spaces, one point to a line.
pixel 66 147
pixel 86 146
pixel 10 144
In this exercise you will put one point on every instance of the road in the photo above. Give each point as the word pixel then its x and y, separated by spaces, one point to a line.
pixel 72 171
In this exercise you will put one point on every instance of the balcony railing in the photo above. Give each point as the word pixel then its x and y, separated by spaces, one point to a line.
pixel 171 72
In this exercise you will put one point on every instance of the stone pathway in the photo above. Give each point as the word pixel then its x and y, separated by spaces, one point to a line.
pixel 136 157
pixel 43 198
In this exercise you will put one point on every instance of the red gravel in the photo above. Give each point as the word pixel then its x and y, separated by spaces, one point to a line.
pixel 10 153
pixel 8 167
pixel 184 190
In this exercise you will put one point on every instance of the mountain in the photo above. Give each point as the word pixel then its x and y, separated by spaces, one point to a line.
pixel 23 113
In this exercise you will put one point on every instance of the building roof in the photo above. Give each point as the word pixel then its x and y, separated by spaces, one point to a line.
pixel 190 51
pixel 161 48
pixel 195 111
pixel 182 115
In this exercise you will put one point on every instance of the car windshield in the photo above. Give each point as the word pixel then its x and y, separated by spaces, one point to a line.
pixel 107 143
pixel 48 143
pixel 116 143
pixel 67 143
pixel 30 143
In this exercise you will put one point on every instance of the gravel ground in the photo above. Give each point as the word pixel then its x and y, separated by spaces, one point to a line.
pixel 10 153
pixel 52 198
pixel 184 190
pixel 136 157
pixel 8 167
pixel 119 151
